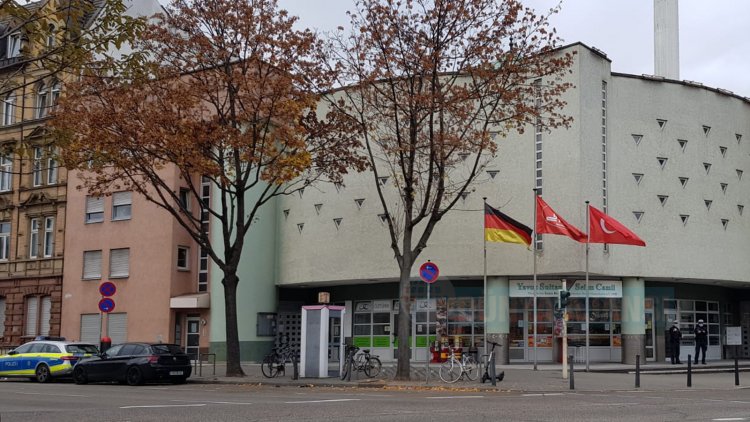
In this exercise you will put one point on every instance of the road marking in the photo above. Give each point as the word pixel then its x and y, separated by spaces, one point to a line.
pixel 48 394
pixel 455 397
pixel 612 404
pixel 319 401
pixel 162 405
pixel 542 394
pixel 729 419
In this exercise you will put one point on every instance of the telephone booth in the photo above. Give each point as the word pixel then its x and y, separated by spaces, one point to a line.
pixel 321 346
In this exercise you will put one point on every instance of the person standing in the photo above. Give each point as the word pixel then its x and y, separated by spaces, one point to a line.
pixel 674 342
pixel 701 341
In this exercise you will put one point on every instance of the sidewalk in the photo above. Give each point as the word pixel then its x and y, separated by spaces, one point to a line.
pixel 518 377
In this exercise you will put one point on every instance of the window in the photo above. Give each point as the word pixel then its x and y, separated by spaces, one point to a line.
pixel 117 327
pixel 94 209
pixel 51 35
pixel 90 326
pixel 42 100
pixel 34 238
pixel 49 237
pixel 37 166
pixel 9 109
pixel 119 262
pixel 185 199
pixel 55 94
pixel 121 205
pixel 6 173
pixel 14 45
pixel 38 312
pixel 183 258
pixel 52 167
pixel 92 264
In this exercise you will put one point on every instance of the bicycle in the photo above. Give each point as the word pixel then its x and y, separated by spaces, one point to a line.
pixel 489 369
pixel 360 361
pixel 454 369
pixel 275 362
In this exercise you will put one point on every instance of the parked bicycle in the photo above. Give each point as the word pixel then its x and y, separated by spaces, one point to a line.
pixel 454 369
pixel 489 367
pixel 360 361
pixel 276 362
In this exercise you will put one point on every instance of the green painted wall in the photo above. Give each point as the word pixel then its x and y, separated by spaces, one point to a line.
pixel 257 288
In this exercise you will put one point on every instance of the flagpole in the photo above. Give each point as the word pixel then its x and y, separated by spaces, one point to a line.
pixel 533 241
pixel 588 238
pixel 484 236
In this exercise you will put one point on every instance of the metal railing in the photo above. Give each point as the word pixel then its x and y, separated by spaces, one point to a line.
pixel 198 363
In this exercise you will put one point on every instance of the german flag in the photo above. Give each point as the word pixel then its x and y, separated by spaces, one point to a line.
pixel 498 227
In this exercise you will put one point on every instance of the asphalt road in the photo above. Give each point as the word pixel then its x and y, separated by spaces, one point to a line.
pixel 27 401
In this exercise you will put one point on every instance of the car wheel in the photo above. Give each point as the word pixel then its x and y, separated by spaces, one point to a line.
pixel 79 375
pixel 42 374
pixel 134 376
pixel 179 380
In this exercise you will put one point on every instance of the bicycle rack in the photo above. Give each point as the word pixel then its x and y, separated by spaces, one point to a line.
pixel 198 363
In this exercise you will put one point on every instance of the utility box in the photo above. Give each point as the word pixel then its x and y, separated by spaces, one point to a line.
pixel 316 348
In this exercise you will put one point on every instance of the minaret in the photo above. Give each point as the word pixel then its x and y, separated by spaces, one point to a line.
pixel 666 39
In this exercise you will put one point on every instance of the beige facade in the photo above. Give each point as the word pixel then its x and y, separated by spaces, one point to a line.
pixel 124 239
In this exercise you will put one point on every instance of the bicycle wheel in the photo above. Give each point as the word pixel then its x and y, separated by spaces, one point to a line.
pixel 269 366
pixel 372 367
pixel 346 369
pixel 450 371
pixel 471 369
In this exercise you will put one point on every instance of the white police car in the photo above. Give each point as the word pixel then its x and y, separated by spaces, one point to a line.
pixel 44 358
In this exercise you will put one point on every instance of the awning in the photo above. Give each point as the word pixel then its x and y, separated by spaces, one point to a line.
pixel 190 301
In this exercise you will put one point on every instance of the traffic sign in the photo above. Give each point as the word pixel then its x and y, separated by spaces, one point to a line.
pixel 107 305
pixel 429 272
pixel 107 289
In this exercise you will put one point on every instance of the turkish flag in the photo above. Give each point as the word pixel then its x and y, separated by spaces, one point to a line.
pixel 605 229
pixel 547 221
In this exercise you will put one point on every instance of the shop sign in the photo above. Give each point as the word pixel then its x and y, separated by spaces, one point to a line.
pixel 422 305
pixel 381 306
pixel 363 307
pixel 549 288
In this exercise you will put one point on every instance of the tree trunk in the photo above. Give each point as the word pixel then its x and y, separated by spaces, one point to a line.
pixel 403 369
pixel 234 369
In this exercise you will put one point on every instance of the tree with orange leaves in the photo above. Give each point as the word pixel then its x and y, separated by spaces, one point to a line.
pixel 217 89
pixel 432 83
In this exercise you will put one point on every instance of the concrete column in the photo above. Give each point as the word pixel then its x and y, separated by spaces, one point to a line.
pixel 497 318
pixel 633 319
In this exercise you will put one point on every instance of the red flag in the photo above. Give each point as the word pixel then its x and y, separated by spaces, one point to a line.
pixel 547 221
pixel 605 229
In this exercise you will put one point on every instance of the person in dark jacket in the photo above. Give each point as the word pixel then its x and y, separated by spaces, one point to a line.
pixel 701 341
pixel 674 342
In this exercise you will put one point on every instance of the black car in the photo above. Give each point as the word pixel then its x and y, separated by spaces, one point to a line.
pixel 135 363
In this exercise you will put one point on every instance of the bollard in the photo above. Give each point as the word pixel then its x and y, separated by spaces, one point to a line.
pixel 295 374
pixel 572 373
pixel 736 372
pixel 690 372
pixel 637 371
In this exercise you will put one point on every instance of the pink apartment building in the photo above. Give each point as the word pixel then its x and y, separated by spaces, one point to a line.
pixel 160 273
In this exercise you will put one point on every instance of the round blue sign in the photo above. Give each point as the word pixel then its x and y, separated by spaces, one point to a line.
pixel 107 288
pixel 429 272
pixel 107 305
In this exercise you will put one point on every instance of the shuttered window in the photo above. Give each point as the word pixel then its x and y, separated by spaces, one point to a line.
pixel 46 314
pixel 121 205
pixel 92 264
pixel 117 327
pixel 90 327
pixel 94 209
pixel 2 318
pixel 32 310
pixel 119 262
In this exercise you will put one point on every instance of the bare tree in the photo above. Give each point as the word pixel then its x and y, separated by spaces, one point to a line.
pixel 431 83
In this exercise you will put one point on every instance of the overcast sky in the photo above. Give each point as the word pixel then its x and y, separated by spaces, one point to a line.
pixel 714 41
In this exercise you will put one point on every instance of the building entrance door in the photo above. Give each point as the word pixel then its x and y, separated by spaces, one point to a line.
pixel 192 337
pixel 517 337
pixel 650 335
